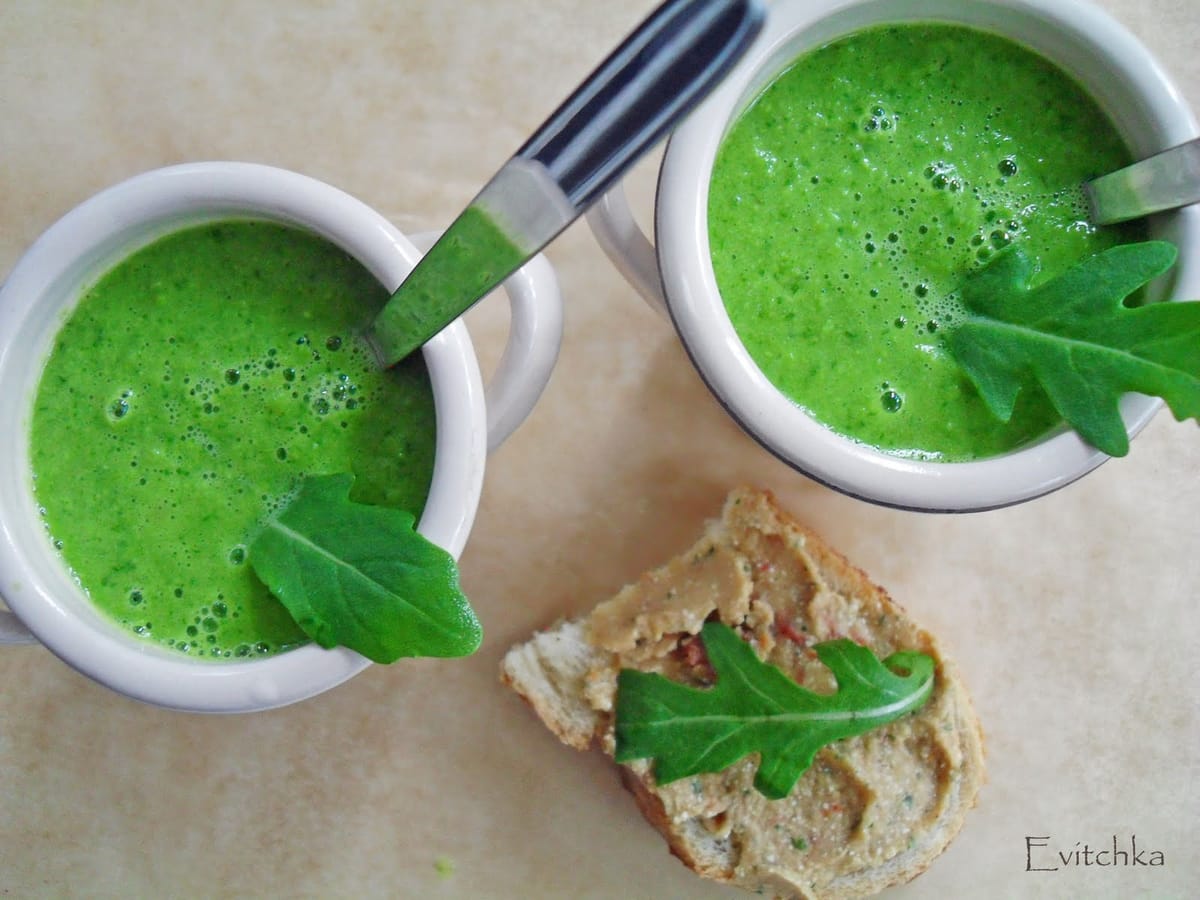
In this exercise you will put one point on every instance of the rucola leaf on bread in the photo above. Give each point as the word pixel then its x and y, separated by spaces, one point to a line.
pixel 362 577
pixel 756 707
pixel 1077 340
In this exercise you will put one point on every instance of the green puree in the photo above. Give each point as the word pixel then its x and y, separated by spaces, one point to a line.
pixel 191 390
pixel 851 199
pixel 472 256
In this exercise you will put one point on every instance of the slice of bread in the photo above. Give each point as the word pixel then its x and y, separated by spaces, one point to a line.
pixel 871 811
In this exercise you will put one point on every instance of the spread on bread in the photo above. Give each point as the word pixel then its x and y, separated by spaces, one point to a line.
pixel 872 810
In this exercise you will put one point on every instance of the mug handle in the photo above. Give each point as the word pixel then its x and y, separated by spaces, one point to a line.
pixel 534 337
pixel 624 242
pixel 13 631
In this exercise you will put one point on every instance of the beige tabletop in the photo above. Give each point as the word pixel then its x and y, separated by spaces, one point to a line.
pixel 1073 618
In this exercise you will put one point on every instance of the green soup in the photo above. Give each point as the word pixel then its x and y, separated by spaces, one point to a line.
pixel 858 190
pixel 192 388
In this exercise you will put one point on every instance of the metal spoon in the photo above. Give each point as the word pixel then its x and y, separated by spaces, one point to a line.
pixel 658 74
pixel 1167 180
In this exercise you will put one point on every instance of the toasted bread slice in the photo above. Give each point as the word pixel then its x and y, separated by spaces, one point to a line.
pixel 871 811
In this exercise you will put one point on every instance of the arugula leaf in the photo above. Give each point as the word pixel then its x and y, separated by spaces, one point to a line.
pixel 756 706
pixel 362 577
pixel 1076 338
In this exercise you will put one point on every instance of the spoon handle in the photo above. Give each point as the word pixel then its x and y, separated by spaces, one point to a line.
pixel 1167 180
pixel 673 59
pixel 656 76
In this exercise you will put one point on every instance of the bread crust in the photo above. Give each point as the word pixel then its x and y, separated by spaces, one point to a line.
pixel 872 811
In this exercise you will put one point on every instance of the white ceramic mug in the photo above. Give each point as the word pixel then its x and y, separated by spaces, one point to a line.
pixel 675 274
pixel 46 603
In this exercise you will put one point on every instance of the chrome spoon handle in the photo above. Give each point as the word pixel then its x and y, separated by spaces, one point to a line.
pixel 640 91
pixel 1167 180
pixel 658 74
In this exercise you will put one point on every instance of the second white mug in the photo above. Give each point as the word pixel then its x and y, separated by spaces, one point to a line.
pixel 675 273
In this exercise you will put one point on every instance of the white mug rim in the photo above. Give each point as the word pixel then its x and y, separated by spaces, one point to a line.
pixel 125 216
pixel 782 427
